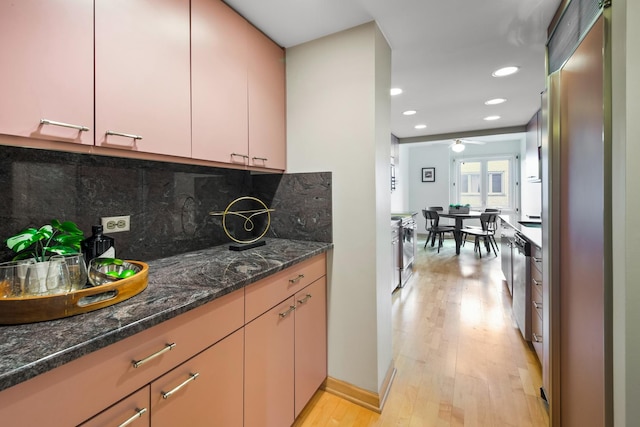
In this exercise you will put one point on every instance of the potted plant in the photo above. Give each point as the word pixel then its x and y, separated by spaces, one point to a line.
pixel 59 238
pixel 459 208
pixel 40 244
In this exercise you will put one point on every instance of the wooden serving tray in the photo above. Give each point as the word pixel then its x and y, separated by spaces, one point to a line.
pixel 14 311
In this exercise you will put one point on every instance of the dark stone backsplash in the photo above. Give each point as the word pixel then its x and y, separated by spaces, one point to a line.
pixel 169 203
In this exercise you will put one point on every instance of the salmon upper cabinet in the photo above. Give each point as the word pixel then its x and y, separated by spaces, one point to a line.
pixel 46 78
pixel 238 78
pixel 267 144
pixel 219 79
pixel 142 76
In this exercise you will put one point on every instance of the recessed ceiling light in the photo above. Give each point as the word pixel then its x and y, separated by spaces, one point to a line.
pixel 409 112
pixel 395 91
pixel 506 71
pixel 495 101
pixel 489 118
pixel 420 126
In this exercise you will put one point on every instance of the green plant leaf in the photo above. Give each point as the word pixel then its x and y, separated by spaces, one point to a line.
pixel 46 232
pixel 61 250
pixel 69 240
pixel 23 240
pixel 67 226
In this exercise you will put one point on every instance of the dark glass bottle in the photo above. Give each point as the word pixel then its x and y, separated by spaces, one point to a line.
pixel 97 244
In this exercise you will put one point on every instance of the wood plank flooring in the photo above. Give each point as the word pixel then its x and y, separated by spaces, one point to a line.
pixel 459 355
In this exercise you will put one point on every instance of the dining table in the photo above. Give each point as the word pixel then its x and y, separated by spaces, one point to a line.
pixel 460 218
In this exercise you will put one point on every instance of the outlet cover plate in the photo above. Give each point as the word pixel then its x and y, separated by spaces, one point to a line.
pixel 115 224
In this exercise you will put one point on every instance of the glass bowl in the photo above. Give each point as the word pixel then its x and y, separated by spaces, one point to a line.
pixel 109 270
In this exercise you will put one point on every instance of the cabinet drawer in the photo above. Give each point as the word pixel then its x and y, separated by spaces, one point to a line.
pixel 264 294
pixel 536 289
pixel 536 332
pixel 134 409
pixel 536 259
pixel 101 378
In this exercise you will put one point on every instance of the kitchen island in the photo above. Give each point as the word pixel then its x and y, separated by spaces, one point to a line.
pixel 194 286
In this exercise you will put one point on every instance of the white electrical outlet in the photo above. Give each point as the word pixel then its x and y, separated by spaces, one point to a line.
pixel 115 224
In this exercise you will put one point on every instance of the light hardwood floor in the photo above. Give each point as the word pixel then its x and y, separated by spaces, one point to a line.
pixel 459 355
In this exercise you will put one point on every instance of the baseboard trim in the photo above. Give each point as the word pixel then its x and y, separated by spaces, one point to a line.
pixel 365 398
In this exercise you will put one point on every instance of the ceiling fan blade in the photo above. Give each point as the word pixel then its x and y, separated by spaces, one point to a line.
pixel 467 141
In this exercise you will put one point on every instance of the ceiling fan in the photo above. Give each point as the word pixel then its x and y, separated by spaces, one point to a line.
pixel 458 145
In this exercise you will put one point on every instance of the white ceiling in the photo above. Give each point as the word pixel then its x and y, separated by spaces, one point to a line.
pixel 443 54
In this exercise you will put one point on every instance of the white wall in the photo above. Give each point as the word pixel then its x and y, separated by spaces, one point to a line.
pixel 626 205
pixel 338 108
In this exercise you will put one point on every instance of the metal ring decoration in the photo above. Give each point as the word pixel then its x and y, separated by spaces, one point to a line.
pixel 248 218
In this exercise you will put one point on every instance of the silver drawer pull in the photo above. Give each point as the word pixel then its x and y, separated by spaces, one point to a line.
pixel 192 377
pixel 64 125
pixel 305 299
pixel 139 413
pixel 264 159
pixel 537 338
pixel 537 260
pixel 535 282
pixel 297 279
pixel 537 305
pixel 244 156
pixel 286 313
pixel 126 135
pixel 138 363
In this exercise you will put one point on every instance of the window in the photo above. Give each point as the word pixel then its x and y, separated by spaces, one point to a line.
pixel 486 182
pixel 496 182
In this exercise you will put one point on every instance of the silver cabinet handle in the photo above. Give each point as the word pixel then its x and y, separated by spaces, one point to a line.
pixel 264 159
pixel 64 125
pixel 305 299
pixel 537 305
pixel 138 363
pixel 192 377
pixel 537 338
pixel 535 282
pixel 286 313
pixel 297 279
pixel 244 156
pixel 126 135
pixel 537 260
pixel 138 414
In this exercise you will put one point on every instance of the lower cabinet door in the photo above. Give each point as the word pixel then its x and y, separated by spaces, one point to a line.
pixel 204 391
pixel 310 342
pixel 131 411
pixel 269 367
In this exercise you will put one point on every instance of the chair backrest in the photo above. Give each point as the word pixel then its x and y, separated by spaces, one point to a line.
pixel 488 221
pixel 436 208
pixel 492 210
pixel 432 217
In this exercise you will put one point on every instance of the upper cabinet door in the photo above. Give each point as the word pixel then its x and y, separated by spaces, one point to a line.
pixel 219 82
pixel 142 70
pixel 267 140
pixel 47 69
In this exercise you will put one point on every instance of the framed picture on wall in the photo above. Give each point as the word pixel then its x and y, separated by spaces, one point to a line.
pixel 428 174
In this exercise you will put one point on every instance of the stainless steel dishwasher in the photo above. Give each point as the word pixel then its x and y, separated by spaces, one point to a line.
pixel 521 289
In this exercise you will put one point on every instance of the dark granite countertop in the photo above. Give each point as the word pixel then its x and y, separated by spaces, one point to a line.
pixel 533 234
pixel 176 284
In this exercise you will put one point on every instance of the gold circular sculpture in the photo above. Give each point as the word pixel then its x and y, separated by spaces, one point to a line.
pixel 248 216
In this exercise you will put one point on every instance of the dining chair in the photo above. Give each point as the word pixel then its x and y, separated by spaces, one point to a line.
pixel 487 233
pixel 464 235
pixel 434 228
